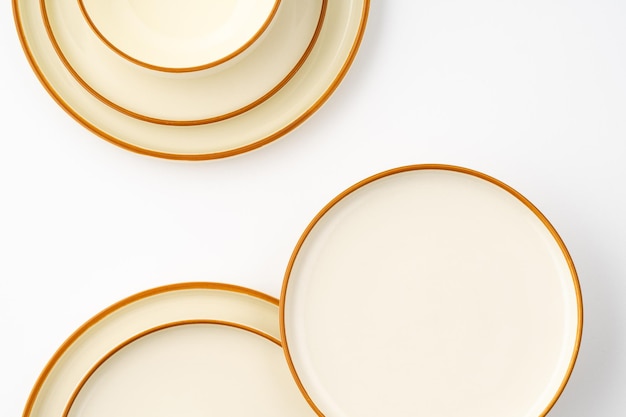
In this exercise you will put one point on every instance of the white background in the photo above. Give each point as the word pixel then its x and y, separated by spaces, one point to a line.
pixel 532 92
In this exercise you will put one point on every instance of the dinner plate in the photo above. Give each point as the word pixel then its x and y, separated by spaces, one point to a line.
pixel 192 98
pixel 319 75
pixel 431 290
pixel 179 36
pixel 191 349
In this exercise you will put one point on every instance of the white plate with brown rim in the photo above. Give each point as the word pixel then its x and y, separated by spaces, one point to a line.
pixel 191 349
pixel 194 132
pixel 431 290
pixel 194 97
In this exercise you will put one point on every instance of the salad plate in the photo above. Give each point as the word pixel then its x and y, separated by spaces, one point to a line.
pixel 179 36
pixel 188 349
pixel 431 290
pixel 192 98
pixel 305 91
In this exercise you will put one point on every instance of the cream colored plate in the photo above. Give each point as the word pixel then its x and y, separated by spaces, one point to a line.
pixel 193 349
pixel 431 291
pixel 183 35
pixel 185 99
pixel 306 90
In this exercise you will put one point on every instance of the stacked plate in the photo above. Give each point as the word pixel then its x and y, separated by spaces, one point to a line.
pixel 194 79
pixel 424 290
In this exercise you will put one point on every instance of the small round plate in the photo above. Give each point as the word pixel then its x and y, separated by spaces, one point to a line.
pixel 189 349
pixel 179 36
pixel 184 99
pixel 431 290
pixel 305 91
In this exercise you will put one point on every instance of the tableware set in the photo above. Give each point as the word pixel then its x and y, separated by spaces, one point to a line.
pixel 247 101
pixel 422 290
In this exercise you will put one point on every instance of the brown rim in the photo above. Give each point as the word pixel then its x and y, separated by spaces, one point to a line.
pixel 168 122
pixel 199 156
pixel 453 168
pixel 123 303
pixel 138 336
pixel 211 64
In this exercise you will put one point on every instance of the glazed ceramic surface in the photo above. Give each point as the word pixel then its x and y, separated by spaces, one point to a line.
pixel 434 291
pixel 183 99
pixel 189 349
pixel 270 117
pixel 179 35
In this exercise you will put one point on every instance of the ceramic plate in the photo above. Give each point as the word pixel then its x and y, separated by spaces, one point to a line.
pixel 185 99
pixel 431 291
pixel 192 349
pixel 179 36
pixel 325 66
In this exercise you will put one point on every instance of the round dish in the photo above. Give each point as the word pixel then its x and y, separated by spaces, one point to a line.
pixel 188 349
pixel 431 290
pixel 179 36
pixel 305 92
pixel 185 99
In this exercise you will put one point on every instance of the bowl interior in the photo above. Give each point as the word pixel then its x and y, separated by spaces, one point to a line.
pixel 179 35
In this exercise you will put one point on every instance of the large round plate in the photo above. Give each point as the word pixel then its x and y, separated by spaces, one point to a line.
pixel 189 349
pixel 305 92
pixel 431 291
